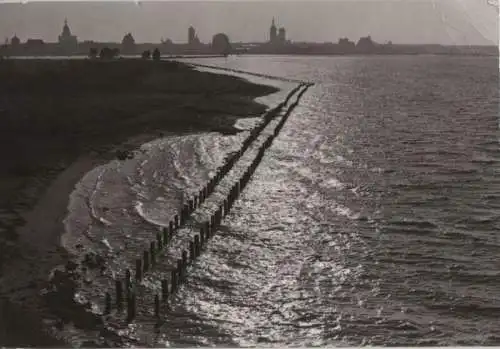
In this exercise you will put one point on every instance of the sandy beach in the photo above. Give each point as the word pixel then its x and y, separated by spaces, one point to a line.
pixel 62 119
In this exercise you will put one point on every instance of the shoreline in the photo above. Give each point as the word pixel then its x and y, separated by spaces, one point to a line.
pixel 37 250
pixel 42 236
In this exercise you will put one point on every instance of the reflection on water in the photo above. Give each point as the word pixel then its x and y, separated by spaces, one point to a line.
pixel 372 219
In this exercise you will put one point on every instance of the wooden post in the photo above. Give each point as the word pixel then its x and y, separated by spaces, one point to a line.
pixel 145 261
pixel 185 214
pixel 157 306
pixel 173 277
pixel 218 217
pixel 159 241
pixel 192 251
pixel 176 218
pixel 207 230
pixel 180 270
pixel 119 294
pixel 197 245
pixel 202 238
pixel 128 279
pixel 171 229
pixel 164 290
pixel 138 269
pixel 165 234
pixel 131 306
pixel 152 252
pixel 185 258
pixel 214 225
pixel 107 304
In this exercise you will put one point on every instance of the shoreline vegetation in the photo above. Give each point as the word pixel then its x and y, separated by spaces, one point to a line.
pixel 62 118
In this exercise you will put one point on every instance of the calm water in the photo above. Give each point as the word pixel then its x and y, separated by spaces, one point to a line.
pixel 373 218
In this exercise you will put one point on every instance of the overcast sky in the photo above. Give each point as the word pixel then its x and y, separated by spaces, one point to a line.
pixel 401 21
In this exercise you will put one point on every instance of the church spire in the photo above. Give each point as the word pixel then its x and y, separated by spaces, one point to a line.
pixel 66 32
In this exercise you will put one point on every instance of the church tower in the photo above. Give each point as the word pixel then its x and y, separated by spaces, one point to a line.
pixel 273 32
pixel 67 41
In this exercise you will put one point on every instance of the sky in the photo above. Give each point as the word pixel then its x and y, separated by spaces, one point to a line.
pixel 449 22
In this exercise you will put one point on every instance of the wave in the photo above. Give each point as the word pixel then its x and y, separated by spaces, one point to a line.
pixel 93 196
pixel 165 212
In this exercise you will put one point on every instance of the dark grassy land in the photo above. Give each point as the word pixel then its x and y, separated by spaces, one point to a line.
pixel 53 112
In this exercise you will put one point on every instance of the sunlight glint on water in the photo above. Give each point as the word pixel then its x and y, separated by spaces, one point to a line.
pixel 372 219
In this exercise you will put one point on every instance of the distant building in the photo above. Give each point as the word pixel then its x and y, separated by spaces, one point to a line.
pixel 34 46
pixel 192 37
pixel 128 44
pixel 67 41
pixel 34 43
pixel 282 35
pixel 277 37
pixel 345 44
pixel 15 41
pixel 273 32
pixel 365 44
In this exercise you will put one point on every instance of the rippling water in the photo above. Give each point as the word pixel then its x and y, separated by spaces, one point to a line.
pixel 372 219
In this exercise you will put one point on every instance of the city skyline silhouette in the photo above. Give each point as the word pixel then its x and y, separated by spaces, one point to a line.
pixel 424 22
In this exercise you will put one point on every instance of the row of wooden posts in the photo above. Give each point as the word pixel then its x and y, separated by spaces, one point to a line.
pixel 126 288
pixel 267 76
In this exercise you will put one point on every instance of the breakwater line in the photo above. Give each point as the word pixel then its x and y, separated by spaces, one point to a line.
pixel 149 282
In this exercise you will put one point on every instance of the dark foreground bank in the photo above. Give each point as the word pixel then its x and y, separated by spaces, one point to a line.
pixel 62 118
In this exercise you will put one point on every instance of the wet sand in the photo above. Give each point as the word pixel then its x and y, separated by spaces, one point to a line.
pixel 60 120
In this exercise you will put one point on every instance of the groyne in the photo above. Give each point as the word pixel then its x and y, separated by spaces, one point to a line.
pixel 146 288
pixel 237 71
pixel 162 267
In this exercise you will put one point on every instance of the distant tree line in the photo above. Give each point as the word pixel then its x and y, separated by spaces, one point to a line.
pixel 112 53
pixel 105 53
pixel 156 54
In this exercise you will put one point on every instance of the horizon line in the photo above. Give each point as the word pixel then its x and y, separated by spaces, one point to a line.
pixel 88 41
